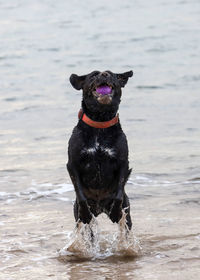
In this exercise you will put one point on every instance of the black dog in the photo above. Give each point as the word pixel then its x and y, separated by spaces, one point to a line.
pixel 98 152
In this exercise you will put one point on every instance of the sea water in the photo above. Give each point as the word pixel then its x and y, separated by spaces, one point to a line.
pixel 42 43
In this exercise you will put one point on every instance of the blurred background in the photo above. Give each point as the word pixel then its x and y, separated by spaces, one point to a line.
pixel 43 42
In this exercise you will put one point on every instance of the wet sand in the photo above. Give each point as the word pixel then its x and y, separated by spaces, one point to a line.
pixel 165 222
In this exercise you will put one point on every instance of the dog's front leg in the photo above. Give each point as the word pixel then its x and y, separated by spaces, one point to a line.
pixel 81 210
pixel 119 201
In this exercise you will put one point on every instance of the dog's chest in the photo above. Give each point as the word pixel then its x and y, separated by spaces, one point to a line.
pixel 99 148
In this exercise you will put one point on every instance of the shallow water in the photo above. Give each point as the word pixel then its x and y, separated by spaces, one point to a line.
pixel 42 43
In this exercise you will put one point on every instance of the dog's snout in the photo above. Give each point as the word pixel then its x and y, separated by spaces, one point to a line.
pixel 104 74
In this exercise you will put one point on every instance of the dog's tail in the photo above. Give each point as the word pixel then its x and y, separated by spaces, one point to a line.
pixel 128 174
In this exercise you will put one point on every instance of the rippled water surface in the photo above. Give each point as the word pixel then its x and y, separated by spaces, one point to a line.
pixel 41 44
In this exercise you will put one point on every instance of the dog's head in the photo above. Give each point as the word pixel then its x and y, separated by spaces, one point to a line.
pixel 101 88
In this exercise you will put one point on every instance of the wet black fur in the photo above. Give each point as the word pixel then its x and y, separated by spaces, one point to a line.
pixel 98 178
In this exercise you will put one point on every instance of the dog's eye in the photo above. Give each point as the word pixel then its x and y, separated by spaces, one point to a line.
pixel 95 73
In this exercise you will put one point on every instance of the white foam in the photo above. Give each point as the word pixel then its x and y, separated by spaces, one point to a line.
pixel 58 189
pixel 3 193
pixel 33 183
pixel 150 180
pixel 44 190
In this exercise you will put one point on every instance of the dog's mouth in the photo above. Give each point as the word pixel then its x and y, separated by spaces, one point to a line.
pixel 104 93
pixel 104 89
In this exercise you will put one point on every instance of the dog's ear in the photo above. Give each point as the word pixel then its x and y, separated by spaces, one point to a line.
pixel 77 81
pixel 123 78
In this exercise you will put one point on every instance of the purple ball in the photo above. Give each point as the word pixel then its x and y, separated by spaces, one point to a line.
pixel 104 90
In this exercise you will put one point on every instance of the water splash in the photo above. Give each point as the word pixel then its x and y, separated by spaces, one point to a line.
pixel 82 242
pixel 128 245
pixel 87 242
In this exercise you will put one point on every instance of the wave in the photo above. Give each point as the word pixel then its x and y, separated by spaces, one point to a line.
pixel 37 191
pixel 59 191
pixel 146 180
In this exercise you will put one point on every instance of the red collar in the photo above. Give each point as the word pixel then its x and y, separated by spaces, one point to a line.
pixel 82 116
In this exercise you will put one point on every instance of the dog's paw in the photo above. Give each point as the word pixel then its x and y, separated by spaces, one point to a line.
pixel 116 211
pixel 85 215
